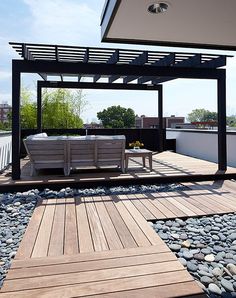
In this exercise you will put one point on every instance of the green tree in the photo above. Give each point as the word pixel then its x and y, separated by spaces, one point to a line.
pixel 117 117
pixel 231 121
pixel 202 115
pixel 28 109
pixel 61 108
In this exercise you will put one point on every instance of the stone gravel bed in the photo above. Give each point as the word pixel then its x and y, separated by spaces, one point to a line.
pixel 17 208
pixel 206 246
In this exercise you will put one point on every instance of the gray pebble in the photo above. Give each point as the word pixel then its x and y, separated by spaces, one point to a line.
pixel 175 247
pixel 187 255
pixel 213 288
pixel 206 280
pixel 192 267
pixel 228 286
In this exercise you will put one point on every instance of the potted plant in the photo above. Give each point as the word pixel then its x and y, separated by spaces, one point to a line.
pixel 136 144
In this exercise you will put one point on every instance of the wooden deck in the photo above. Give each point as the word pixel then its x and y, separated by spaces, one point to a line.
pixel 103 246
pixel 166 165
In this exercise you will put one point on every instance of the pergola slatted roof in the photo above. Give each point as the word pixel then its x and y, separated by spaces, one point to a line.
pixel 75 54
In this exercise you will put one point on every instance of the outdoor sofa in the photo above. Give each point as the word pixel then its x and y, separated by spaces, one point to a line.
pixel 74 152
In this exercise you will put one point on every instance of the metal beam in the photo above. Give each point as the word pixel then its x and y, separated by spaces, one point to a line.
pixel 96 78
pixel 43 76
pixel 140 60
pixel 221 106
pixel 39 108
pixel 88 85
pixel 114 57
pixel 160 118
pixel 166 61
pixel 117 69
pixel 16 131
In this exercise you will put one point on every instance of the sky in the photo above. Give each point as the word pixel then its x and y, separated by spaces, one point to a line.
pixel 77 22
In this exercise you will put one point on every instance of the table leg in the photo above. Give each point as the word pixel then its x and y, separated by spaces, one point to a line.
pixel 126 163
pixel 150 162
pixel 144 161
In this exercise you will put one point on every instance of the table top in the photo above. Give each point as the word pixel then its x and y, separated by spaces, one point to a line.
pixel 137 151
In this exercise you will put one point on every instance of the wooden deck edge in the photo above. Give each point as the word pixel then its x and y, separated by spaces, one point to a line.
pixel 20 185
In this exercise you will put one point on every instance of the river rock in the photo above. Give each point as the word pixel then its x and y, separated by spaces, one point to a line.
pixel 217 272
pixel 192 267
pixel 206 251
pixel 206 280
pixel 231 268
pixel 9 240
pixel 187 255
pixel 175 247
pixel 210 258
pixel 213 288
pixel 232 236
pixel 183 236
pixel 186 244
pixel 228 286
pixel 182 261
pixel 199 256
pixel 175 236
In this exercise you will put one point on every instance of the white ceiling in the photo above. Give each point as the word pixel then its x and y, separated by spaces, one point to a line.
pixel 197 22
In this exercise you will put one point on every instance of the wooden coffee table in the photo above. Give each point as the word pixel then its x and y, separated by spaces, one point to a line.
pixel 138 153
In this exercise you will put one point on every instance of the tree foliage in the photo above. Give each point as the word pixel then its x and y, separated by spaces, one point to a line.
pixel 117 117
pixel 61 108
pixel 231 121
pixel 202 115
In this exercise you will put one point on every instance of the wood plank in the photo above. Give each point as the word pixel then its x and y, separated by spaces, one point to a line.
pixel 111 235
pixel 147 200
pixel 56 245
pixel 57 280
pixel 228 199
pixel 84 233
pixel 147 230
pixel 181 206
pixel 188 204
pixel 160 208
pixel 159 204
pixel 90 265
pixel 197 198
pixel 138 203
pixel 105 286
pixel 43 237
pixel 131 224
pixel 26 246
pixel 98 237
pixel 121 228
pixel 185 289
pixel 204 199
pixel 71 245
pixel 33 262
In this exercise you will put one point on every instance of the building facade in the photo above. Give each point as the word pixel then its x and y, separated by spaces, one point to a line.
pixel 153 122
pixel 5 111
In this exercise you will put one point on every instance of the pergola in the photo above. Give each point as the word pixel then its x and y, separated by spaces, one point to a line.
pixel 137 69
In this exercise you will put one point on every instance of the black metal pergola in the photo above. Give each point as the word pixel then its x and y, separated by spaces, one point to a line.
pixel 137 69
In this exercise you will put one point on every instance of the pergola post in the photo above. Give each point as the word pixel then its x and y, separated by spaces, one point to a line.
pixel 160 118
pixel 39 108
pixel 221 106
pixel 16 130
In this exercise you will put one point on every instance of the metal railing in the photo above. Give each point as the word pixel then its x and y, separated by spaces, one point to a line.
pixel 5 150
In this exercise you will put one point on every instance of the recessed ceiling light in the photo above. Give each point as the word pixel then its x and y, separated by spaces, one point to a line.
pixel 159 7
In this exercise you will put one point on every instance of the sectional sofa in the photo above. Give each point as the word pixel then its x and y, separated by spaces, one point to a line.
pixel 74 152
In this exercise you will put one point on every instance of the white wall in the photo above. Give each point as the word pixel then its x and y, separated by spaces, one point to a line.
pixel 5 150
pixel 202 144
